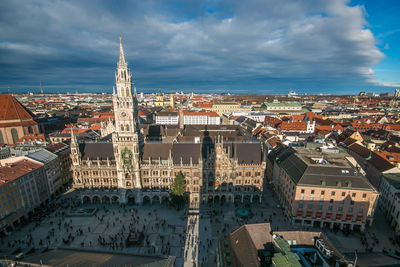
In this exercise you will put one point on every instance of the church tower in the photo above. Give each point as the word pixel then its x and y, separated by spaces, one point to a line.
pixel 126 141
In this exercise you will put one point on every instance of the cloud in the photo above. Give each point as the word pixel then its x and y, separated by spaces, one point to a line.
pixel 240 45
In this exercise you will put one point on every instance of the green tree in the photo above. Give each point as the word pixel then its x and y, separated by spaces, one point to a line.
pixel 178 189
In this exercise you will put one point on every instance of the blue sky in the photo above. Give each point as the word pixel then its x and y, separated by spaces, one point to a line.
pixel 260 46
pixel 384 22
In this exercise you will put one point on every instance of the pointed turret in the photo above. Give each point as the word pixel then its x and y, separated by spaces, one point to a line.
pixel 121 53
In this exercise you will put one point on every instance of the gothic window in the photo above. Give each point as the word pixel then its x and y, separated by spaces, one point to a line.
pixel 14 135
pixel 122 128
pixel 128 183
pixel 127 128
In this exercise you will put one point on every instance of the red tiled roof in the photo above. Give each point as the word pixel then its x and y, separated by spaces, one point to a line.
pixel 200 113
pixel 393 127
pixel 12 109
pixel 75 130
pixel 202 105
pixel 293 126
pixel 11 171
pixel 297 118
pixel 380 163
pixel 323 128
pixel 274 141
pixel 95 127
pixel 32 138
pixel 272 121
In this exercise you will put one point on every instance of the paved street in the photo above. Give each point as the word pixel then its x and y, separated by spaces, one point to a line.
pixel 191 239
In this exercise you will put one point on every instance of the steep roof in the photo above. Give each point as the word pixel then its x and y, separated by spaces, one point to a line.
pixel 97 150
pixel 186 151
pixel 156 151
pixel 380 163
pixel 247 240
pixel 248 153
pixel 12 109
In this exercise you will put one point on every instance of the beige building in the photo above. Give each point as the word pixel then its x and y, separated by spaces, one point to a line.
pixel 227 107
pixel 323 189
pixel 128 170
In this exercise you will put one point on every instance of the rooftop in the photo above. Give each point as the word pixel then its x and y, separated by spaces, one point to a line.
pixel 11 170
pixel 312 168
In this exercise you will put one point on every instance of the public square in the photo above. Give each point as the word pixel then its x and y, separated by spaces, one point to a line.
pixel 192 238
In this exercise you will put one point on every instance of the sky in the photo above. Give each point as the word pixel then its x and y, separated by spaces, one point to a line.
pixel 264 47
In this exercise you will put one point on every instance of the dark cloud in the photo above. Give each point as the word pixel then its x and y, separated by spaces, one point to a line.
pixel 203 45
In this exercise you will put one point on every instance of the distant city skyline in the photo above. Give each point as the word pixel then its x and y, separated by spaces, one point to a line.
pixel 312 47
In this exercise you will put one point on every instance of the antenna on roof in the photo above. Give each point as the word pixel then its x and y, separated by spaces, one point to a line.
pixel 41 88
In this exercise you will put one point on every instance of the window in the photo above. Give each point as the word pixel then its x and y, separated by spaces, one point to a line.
pixel 352 202
pixel 364 195
pixel 343 194
pixel 320 207
pixel 300 205
pixel 322 192
pixel 330 208
pixel 331 201
pixel 350 209
pixel 360 210
pixel 332 193
pixel 14 135
pixel 353 195
pixel 312 192
pixel 309 206
pixel 302 191
pixel 340 209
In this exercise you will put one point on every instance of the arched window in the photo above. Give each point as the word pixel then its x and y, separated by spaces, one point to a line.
pixel 127 128
pixel 122 128
pixel 1 138
pixel 14 135
pixel 30 130
pixel 127 92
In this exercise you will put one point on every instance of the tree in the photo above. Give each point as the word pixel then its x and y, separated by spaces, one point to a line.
pixel 178 189
pixel 178 186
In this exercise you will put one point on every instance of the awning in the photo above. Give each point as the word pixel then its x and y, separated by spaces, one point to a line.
pixel 299 212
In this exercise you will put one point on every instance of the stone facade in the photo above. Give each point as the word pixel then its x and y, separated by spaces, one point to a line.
pixel 128 170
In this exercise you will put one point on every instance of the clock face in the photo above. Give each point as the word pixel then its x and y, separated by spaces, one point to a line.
pixel 123 114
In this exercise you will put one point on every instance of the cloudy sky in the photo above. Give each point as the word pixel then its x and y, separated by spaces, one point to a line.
pixel 320 46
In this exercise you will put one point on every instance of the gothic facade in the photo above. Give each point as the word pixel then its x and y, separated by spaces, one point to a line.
pixel 128 170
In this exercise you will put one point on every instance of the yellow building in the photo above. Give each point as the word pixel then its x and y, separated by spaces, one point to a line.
pixel 160 100
pixel 11 207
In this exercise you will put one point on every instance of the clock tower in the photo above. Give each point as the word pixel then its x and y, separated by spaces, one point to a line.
pixel 126 136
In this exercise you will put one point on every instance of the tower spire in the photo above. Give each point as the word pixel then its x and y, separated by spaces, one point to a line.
pixel 121 52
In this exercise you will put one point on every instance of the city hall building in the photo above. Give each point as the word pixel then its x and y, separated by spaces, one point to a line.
pixel 218 164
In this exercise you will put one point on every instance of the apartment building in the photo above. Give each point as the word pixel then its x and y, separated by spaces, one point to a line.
pixel 201 118
pixel 11 208
pixel 52 169
pixel 167 118
pixel 389 201
pixel 323 189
